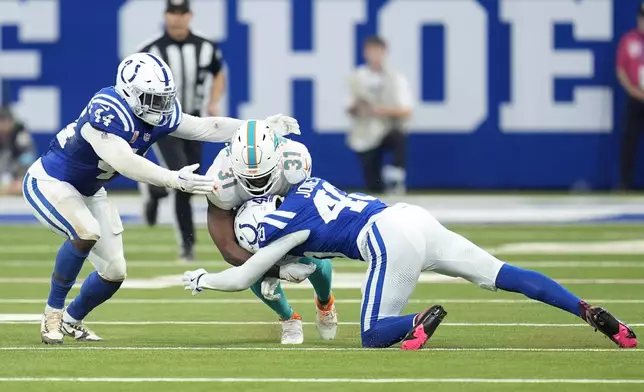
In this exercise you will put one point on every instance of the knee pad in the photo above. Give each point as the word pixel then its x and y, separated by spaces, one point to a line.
pixel 115 270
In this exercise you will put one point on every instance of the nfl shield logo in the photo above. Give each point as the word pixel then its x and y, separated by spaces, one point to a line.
pixel 146 137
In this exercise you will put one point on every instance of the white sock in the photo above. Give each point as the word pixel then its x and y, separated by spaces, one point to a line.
pixel 69 319
pixel 49 309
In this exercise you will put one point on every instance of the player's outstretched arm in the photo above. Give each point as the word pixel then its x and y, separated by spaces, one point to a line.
pixel 222 129
pixel 242 277
pixel 222 231
pixel 117 153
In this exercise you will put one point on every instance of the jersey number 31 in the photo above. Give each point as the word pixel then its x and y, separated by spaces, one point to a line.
pixel 330 202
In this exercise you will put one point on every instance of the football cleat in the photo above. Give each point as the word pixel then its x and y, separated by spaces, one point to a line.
pixel 292 332
pixel 79 332
pixel 187 255
pixel 604 322
pixel 50 327
pixel 425 324
pixel 326 319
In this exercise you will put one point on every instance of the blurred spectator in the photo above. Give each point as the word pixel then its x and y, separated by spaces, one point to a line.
pixel 192 59
pixel 630 62
pixel 380 103
pixel 17 152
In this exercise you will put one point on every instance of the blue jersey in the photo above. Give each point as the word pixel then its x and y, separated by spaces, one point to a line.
pixel 333 218
pixel 72 159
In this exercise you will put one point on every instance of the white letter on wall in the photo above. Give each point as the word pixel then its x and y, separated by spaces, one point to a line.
pixel 37 21
pixel 536 64
pixel 273 65
pixel 465 57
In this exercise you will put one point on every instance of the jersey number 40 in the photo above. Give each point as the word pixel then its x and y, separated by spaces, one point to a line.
pixel 330 202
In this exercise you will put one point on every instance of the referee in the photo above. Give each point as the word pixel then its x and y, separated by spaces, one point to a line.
pixel 192 59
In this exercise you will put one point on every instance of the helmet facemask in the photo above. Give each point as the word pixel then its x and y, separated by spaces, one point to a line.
pixel 154 108
pixel 259 184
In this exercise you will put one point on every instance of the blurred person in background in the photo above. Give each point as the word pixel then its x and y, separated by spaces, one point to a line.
pixel 630 62
pixel 379 106
pixel 192 59
pixel 17 153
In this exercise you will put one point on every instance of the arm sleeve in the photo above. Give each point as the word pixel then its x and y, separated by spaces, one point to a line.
pixel 117 153
pixel 242 277
pixel 207 129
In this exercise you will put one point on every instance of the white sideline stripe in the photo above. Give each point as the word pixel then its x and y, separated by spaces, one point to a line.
pixel 339 263
pixel 305 349
pixel 328 380
pixel 424 278
pixel 255 301
pixel 35 319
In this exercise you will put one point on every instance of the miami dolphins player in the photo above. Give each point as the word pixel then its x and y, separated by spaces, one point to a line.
pixel 256 163
pixel 398 242
pixel 64 188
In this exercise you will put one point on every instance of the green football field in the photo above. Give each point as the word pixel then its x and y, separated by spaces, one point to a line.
pixel 160 338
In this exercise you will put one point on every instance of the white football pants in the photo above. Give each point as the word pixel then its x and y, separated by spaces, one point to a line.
pixel 405 240
pixel 59 206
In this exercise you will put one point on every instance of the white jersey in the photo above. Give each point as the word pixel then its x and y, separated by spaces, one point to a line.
pixel 228 194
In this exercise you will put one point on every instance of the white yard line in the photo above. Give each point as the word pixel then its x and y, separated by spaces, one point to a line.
pixel 255 301
pixel 172 281
pixel 35 319
pixel 327 380
pixel 307 349
pixel 341 263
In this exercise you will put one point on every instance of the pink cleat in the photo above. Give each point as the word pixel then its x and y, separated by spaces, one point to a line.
pixel 604 322
pixel 424 326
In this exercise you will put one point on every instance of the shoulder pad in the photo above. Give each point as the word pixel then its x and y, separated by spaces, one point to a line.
pixel 296 161
pixel 177 116
pixel 110 114
pixel 274 225
pixel 225 194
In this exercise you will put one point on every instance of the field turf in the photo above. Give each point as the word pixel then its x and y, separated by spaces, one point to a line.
pixel 164 339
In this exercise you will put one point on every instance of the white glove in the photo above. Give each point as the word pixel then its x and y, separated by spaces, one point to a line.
pixel 296 272
pixel 283 125
pixel 190 280
pixel 269 285
pixel 187 181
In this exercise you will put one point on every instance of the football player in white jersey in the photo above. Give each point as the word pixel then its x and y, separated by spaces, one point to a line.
pixel 64 188
pixel 258 162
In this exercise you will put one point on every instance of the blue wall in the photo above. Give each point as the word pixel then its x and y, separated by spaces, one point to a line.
pixel 84 56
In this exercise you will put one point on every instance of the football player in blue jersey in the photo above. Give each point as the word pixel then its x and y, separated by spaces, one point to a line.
pixel 399 242
pixel 65 190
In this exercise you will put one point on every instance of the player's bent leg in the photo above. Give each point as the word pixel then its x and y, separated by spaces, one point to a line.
pixel 109 261
pixel 539 287
pixel 392 250
pixel 453 255
pixel 292 330
pixel 61 208
pixel 326 320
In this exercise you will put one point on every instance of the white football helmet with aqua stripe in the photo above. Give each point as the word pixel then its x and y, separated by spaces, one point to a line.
pixel 255 158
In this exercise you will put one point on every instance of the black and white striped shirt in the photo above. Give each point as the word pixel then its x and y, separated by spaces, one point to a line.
pixel 191 61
